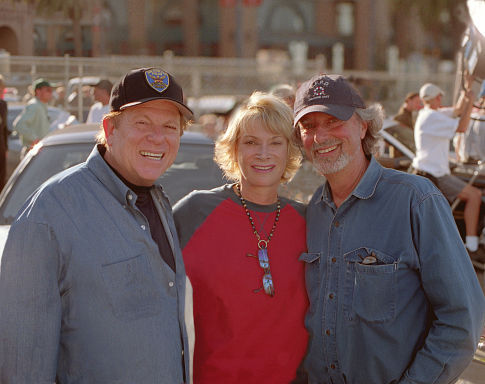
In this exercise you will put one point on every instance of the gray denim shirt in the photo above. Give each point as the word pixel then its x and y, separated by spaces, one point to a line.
pixel 84 294
pixel 393 294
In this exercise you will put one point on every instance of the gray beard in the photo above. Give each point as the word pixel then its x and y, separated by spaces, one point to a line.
pixel 328 166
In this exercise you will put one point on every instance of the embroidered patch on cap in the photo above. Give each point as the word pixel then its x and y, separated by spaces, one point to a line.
pixel 318 90
pixel 157 79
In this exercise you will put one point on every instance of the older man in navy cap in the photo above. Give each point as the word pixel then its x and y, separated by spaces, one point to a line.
pixel 92 283
pixel 393 295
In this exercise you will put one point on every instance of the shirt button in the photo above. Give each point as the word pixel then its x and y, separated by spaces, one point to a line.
pixel 170 284
pixel 130 196
pixel 336 224
pixel 331 296
pixel 327 332
pixel 142 227
pixel 334 259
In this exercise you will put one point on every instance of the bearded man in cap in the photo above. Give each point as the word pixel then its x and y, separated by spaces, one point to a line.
pixel 92 283
pixel 393 295
pixel 435 127
pixel 33 122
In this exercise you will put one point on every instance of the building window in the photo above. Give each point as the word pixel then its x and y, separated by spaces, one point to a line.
pixel 345 19
pixel 285 19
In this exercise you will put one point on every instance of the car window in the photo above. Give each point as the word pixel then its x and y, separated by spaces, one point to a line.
pixel 193 169
pixel 46 163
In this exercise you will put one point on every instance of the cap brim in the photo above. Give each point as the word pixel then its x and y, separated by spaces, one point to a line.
pixel 184 110
pixel 341 112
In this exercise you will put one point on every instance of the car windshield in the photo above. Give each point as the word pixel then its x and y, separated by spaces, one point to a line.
pixel 403 135
pixel 192 169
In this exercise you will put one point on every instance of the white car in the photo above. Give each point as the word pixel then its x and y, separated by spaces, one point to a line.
pixel 194 168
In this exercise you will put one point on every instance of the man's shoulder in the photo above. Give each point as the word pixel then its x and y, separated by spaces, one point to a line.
pixel 62 189
pixel 65 179
pixel 421 186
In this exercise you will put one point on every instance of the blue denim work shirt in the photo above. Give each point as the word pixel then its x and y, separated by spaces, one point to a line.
pixel 84 293
pixel 413 311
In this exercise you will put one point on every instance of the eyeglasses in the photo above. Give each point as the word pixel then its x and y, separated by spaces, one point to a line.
pixel 267 278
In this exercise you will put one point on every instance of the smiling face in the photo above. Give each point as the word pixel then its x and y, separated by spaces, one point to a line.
pixel 261 157
pixel 332 144
pixel 145 141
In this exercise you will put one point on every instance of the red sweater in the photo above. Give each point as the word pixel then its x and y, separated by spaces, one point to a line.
pixel 242 336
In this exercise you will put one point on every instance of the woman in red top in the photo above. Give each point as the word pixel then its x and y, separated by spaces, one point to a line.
pixel 241 243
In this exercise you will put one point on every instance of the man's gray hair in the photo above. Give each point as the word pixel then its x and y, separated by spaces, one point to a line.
pixel 373 115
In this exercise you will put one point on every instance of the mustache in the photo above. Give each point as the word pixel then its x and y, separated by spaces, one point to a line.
pixel 326 144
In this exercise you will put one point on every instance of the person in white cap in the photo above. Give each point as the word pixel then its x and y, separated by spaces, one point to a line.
pixel 435 127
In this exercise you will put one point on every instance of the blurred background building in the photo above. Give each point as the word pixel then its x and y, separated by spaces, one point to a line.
pixel 233 47
pixel 360 31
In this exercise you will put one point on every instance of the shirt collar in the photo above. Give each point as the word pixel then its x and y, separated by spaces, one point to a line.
pixel 366 187
pixel 108 178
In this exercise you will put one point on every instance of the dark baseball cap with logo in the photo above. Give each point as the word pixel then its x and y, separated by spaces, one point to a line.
pixel 145 84
pixel 331 94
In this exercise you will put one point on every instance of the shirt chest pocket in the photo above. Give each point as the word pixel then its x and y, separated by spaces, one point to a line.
pixel 131 288
pixel 370 286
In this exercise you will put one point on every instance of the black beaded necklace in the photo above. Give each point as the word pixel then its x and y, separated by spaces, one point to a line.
pixel 261 242
pixel 262 245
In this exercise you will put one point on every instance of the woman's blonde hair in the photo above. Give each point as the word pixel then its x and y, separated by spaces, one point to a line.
pixel 271 113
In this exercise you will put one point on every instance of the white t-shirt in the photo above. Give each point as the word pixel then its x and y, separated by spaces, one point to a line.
pixel 96 112
pixel 432 133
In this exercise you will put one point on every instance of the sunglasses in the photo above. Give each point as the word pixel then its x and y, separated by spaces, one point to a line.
pixel 267 278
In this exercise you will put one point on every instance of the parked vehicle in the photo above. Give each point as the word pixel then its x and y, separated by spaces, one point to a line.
pixel 57 116
pixel 193 168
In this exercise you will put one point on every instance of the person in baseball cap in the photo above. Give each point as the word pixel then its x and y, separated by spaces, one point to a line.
pixel 429 91
pixel 145 84
pixel 103 233
pixel 101 92
pixel 331 94
pixel 435 127
pixel 40 83
pixel 33 122
pixel 368 237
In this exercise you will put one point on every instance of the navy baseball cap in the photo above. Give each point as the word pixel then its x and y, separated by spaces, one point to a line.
pixel 330 94
pixel 145 84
